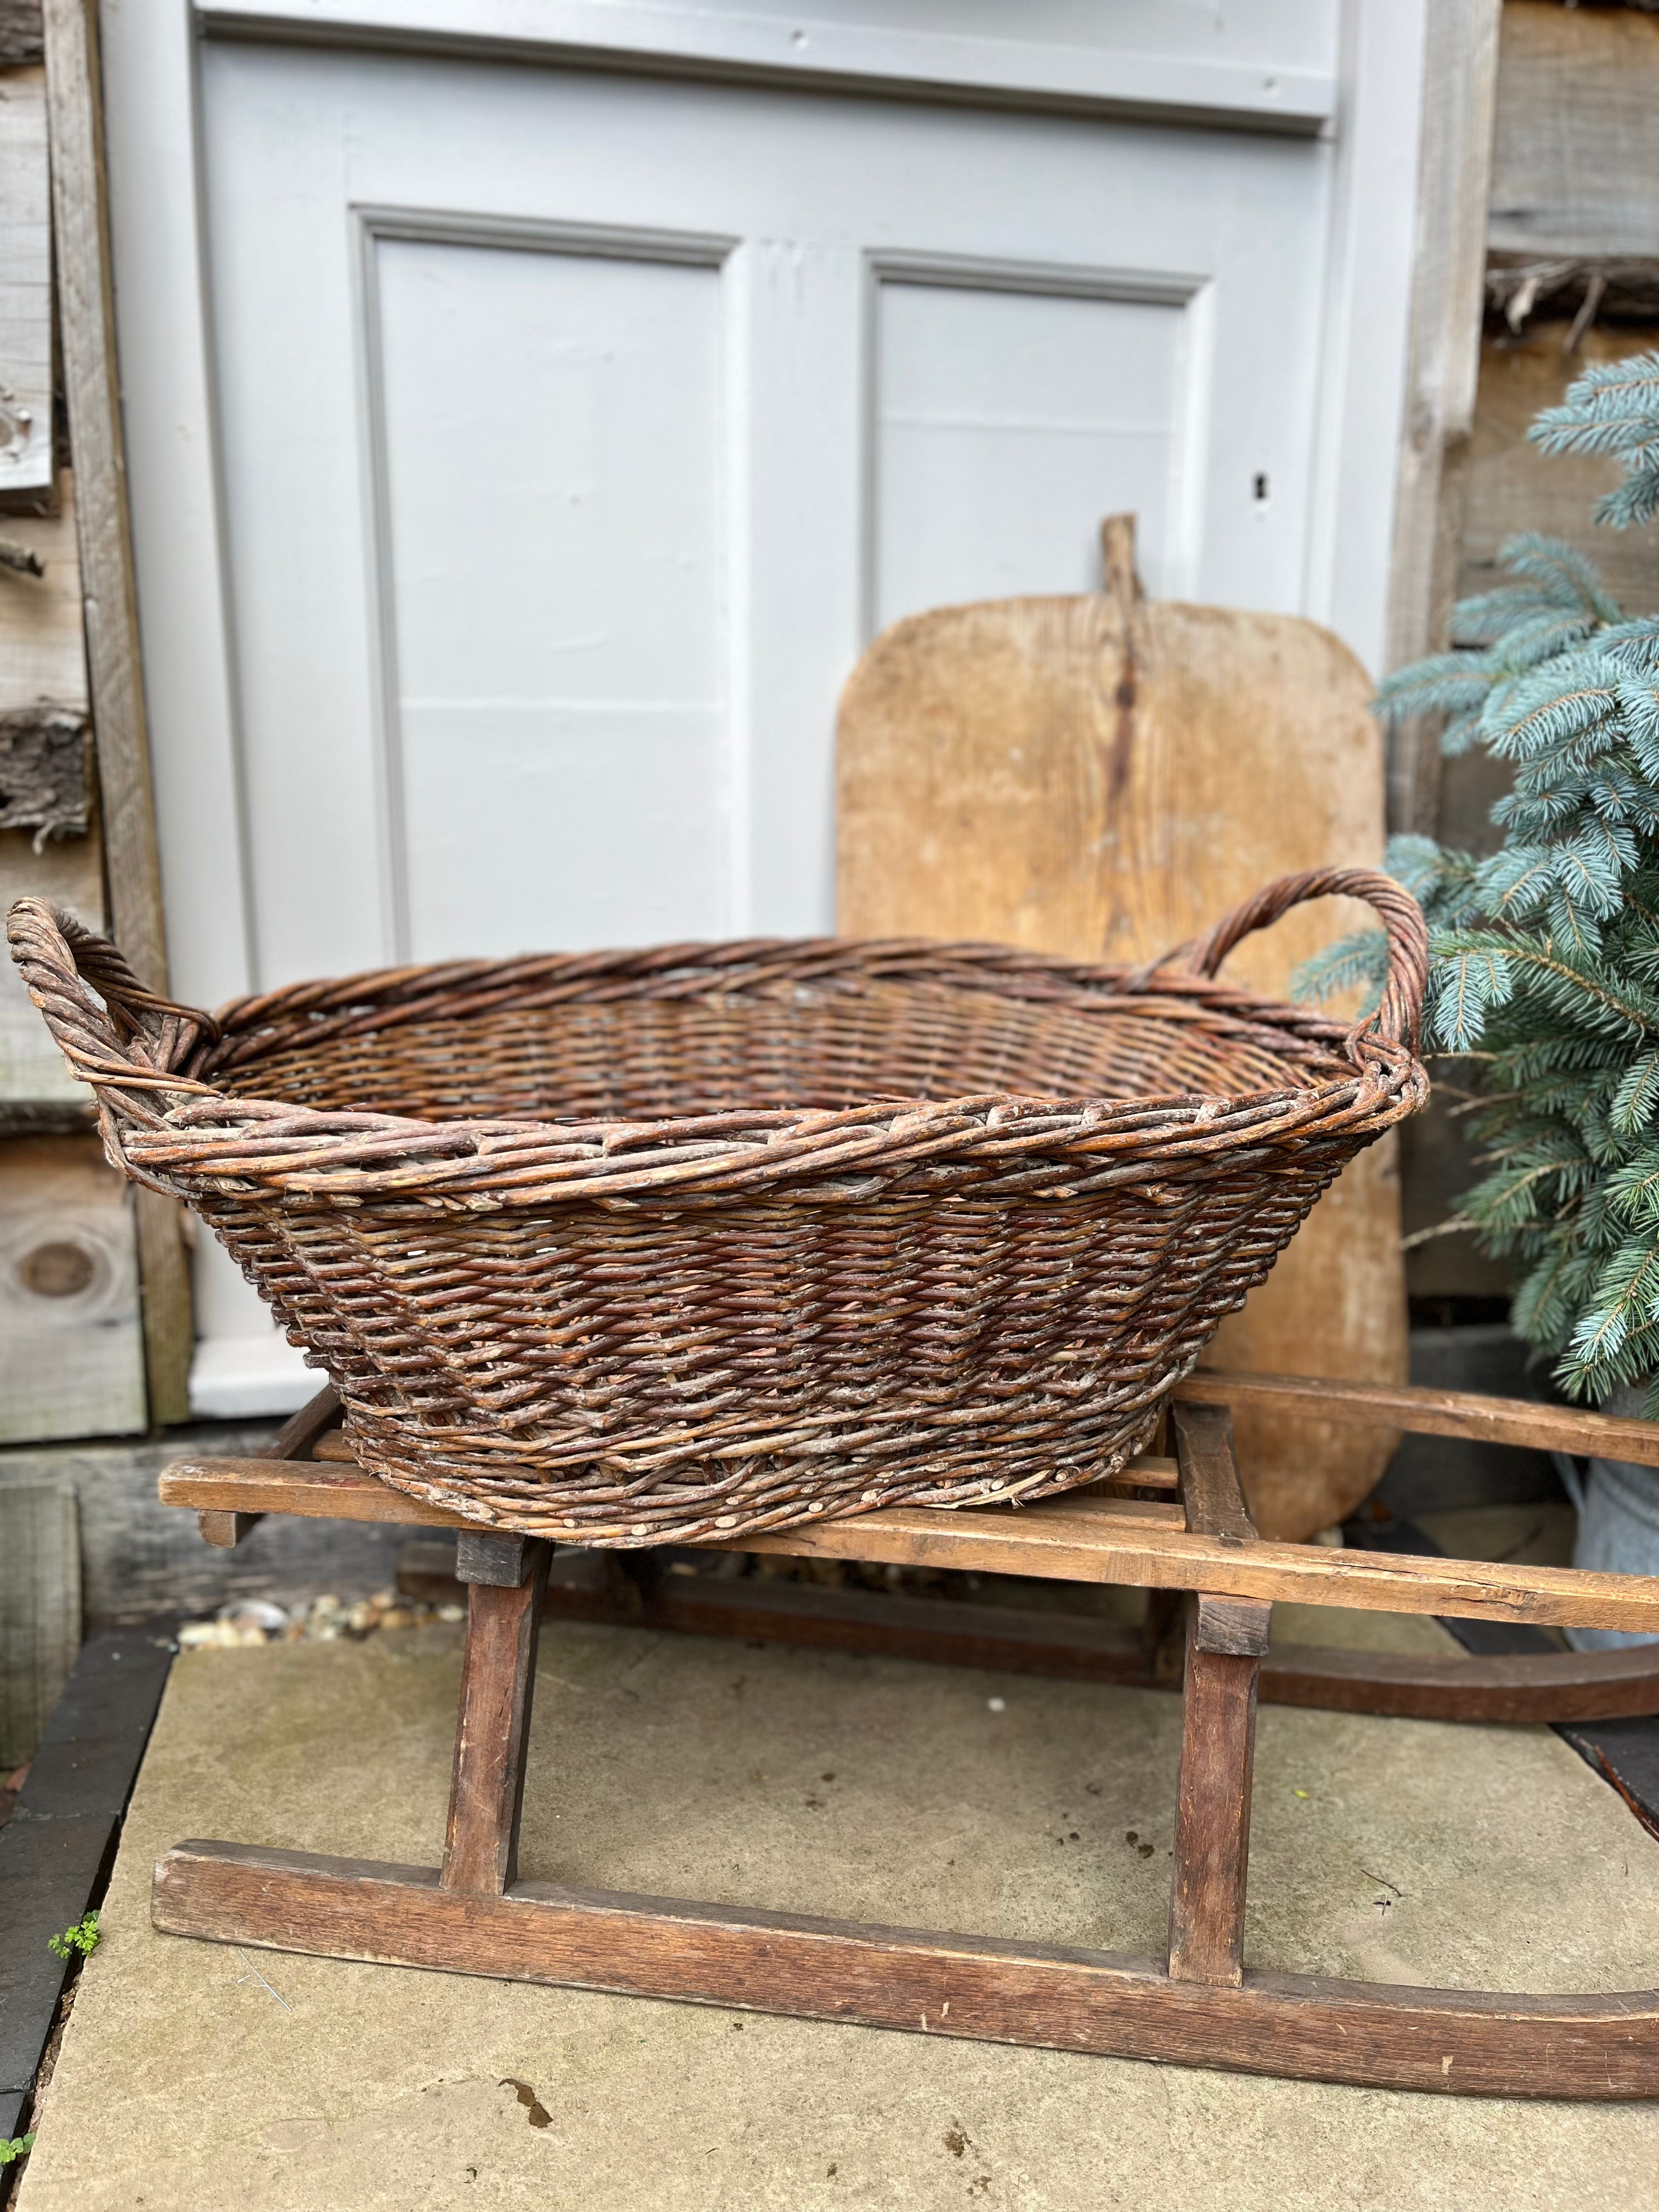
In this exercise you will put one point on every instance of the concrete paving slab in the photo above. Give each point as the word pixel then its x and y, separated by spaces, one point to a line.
pixel 194 2077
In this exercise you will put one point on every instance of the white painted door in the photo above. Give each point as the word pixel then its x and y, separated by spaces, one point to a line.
pixel 573 431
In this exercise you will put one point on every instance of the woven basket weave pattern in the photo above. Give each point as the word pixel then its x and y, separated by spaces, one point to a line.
pixel 750 1233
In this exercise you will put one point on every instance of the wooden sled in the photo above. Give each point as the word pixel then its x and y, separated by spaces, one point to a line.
pixel 1169 1527
pixel 1545 1686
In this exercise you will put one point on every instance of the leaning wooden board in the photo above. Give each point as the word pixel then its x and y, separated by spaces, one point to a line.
pixel 1103 777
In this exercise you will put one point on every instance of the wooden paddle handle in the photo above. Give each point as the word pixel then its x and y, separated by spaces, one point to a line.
pixel 1399 1019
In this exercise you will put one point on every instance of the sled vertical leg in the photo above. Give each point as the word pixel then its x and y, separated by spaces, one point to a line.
pixel 508 1578
pixel 1212 1814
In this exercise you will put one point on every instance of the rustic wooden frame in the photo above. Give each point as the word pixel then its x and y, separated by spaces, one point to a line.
pixel 1200 2006
pixel 1453 184
pixel 86 316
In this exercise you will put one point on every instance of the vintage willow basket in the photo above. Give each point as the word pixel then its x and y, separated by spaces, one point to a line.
pixel 621 1247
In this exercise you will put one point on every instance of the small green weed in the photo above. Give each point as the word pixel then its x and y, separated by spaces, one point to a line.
pixel 17 2146
pixel 82 1938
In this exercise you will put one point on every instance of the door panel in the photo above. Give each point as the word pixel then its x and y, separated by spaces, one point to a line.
pixel 1004 417
pixel 555 693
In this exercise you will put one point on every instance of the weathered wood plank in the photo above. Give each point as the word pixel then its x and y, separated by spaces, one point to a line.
pixel 225 1531
pixel 42 657
pixel 92 387
pixel 1549 1685
pixel 1212 1814
pixel 1209 1479
pixel 1574 171
pixel 26 439
pixel 1514 485
pixel 1151 1471
pixel 1073 1540
pixel 302 1432
pixel 1215 1506
pixel 1537 1686
pixel 292 1441
pixel 307 1487
pixel 1460 86
pixel 40 1609
pixel 71 1351
pixel 1438 1414
pixel 1390 2036
pixel 139 1558
pixel 19 33
pixel 498 1683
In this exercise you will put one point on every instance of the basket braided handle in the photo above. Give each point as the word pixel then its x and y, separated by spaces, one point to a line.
pixel 1398 1020
pixel 114 1034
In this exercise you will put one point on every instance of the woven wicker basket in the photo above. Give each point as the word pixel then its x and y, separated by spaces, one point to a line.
pixel 630 1247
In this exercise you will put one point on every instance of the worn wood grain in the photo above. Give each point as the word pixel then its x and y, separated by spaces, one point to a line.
pixel 1427 1413
pixel 92 389
pixel 303 1430
pixel 498 1682
pixel 40 1609
pixel 1387 2035
pixel 495 1558
pixel 25 365
pixel 1575 169
pixel 45 757
pixel 1536 1687
pixel 1239 1627
pixel 333 1484
pixel 42 657
pixel 292 1441
pixel 1454 178
pixel 1151 1471
pixel 1209 1476
pixel 1212 1814
pixel 1214 1504
pixel 1065 1539
pixel 1103 777
pixel 19 33
pixel 313 1489
pixel 225 1531
pixel 71 1351
pixel 1514 485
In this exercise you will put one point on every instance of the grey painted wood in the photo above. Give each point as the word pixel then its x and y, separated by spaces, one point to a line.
pixel 40 1609
pixel 493 1561
pixel 71 1343
pixel 19 33
pixel 140 1557
pixel 26 442
pixel 1448 291
pixel 92 386
pixel 1575 161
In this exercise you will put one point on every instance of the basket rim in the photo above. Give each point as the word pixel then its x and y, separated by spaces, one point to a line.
pixel 152 1062
pixel 355 1155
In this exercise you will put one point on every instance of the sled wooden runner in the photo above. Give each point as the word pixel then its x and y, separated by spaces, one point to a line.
pixel 1200 2006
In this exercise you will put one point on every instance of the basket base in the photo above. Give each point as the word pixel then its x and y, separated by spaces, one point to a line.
pixel 831 1478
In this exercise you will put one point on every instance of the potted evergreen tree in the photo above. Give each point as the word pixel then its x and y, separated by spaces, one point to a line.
pixel 1547 953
